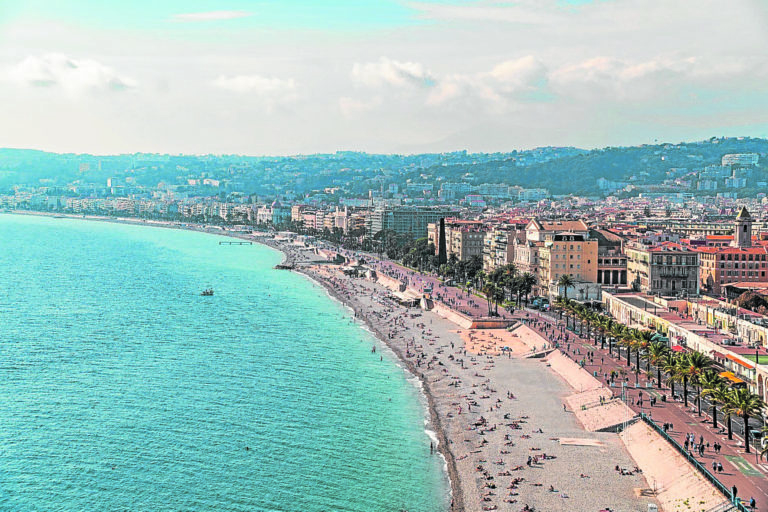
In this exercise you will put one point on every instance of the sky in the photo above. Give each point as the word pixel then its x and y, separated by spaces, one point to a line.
pixel 284 77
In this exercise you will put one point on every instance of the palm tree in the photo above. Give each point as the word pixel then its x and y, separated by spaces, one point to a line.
pixel 593 321
pixel 712 385
pixel 657 352
pixel 526 283
pixel 498 296
pixel 481 279
pixel 642 341
pixel 764 450
pixel 618 331
pixel 672 369
pixel 744 403
pixel 696 364
pixel 604 325
pixel 566 282
pixel 571 306
pixel 627 341
pixel 488 290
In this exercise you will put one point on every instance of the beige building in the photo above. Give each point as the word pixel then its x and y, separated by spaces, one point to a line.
pixel 568 253
pixel 498 248
pixel 465 243
pixel 554 248
pixel 463 238
pixel 665 269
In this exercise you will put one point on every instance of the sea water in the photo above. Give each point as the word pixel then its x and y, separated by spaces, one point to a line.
pixel 122 388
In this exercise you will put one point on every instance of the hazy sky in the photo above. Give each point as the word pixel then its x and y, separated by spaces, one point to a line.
pixel 303 76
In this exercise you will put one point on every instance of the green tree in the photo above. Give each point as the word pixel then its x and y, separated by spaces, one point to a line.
pixel 566 282
pixel 671 367
pixel 526 282
pixel 712 385
pixel 744 403
pixel 642 340
pixel 657 353
pixel 695 365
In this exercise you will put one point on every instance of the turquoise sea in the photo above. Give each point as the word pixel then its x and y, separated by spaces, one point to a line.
pixel 121 388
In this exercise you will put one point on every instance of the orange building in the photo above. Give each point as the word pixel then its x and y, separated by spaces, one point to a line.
pixel 722 265
pixel 738 262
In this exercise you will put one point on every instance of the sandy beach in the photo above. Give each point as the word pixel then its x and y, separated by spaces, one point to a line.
pixel 507 439
pixel 517 432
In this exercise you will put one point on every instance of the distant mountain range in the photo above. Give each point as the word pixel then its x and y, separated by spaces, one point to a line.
pixel 561 170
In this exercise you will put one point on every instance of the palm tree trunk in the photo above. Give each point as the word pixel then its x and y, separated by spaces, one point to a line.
pixel 730 429
pixel 637 359
pixel 629 355
pixel 658 376
pixel 746 432
pixel 685 391
pixel 698 400
pixel 714 416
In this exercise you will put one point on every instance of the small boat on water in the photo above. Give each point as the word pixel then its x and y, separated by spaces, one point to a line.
pixel 208 292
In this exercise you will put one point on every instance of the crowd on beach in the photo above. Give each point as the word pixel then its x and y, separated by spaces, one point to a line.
pixel 498 457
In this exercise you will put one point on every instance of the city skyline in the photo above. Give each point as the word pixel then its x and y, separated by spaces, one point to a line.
pixel 299 77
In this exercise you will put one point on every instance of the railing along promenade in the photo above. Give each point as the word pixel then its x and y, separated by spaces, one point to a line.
pixel 698 465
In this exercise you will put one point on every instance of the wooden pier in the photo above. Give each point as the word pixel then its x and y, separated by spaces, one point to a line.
pixel 235 243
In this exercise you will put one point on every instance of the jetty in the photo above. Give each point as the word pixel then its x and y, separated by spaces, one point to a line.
pixel 236 243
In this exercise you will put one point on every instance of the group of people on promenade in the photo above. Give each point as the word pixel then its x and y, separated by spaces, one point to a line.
pixel 505 452
pixel 575 347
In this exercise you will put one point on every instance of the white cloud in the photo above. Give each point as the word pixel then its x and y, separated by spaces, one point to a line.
pixel 501 86
pixel 73 75
pixel 605 78
pixel 211 16
pixel 352 107
pixel 393 73
pixel 255 83
pixel 270 90
pixel 504 85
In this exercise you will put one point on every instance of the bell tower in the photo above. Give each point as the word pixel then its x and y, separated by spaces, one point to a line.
pixel 742 233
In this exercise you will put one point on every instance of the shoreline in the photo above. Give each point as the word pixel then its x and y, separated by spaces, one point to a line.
pixel 443 446
pixel 456 494
pixel 387 323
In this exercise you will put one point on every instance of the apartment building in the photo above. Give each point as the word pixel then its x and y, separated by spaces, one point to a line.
pixel 739 261
pixel 554 248
pixel 665 269
pixel 568 253
pixel 463 238
pixel 411 221
pixel 499 246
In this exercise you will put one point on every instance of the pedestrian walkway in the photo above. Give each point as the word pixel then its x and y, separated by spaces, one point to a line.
pixel 747 476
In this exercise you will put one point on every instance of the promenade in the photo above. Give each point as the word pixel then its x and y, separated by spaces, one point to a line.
pixel 742 470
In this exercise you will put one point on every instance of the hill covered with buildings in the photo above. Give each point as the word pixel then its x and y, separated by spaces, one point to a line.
pixel 695 168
